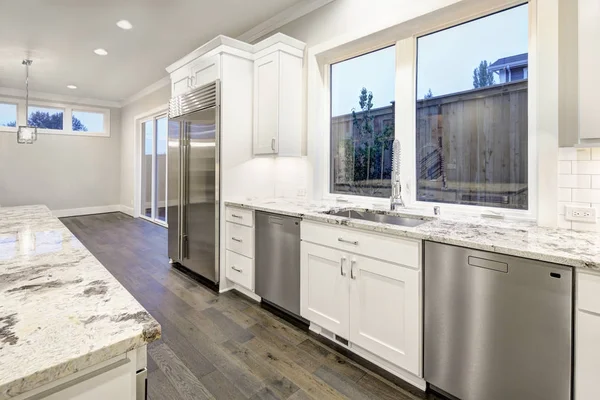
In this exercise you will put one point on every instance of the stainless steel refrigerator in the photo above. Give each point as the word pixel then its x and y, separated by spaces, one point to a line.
pixel 193 202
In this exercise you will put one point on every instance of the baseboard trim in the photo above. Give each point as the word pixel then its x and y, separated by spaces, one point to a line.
pixel 126 210
pixel 73 212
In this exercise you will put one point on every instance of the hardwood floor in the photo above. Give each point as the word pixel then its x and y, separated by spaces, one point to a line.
pixel 220 346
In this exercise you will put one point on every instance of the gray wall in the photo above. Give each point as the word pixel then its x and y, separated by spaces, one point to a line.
pixel 147 103
pixel 61 171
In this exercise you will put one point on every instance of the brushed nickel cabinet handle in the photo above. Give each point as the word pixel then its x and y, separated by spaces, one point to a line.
pixel 354 242
pixel 273 144
pixel 342 260
pixel 237 240
pixel 352 269
pixel 236 269
pixel 236 216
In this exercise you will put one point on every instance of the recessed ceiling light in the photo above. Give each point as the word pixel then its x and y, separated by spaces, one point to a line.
pixel 124 24
pixel 101 52
pixel 72 86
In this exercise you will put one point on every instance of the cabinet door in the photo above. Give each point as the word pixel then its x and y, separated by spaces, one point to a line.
pixel 205 70
pixel 266 104
pixel 589 64
pixel 385 311
pixel 324 288
pixel 180 81
pixel 587 356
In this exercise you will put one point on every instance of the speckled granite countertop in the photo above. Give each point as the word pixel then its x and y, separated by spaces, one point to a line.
pixel 60 310
pixel 515 238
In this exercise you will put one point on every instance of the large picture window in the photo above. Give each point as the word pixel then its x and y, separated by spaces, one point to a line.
pixel 471 113
pixel 362 124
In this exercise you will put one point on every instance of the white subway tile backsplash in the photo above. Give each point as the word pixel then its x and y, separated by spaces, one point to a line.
pixel 575 181
pixel 563 223
pixel 567 153
pixel 582 226
pixel 586 195
pixel 585 167
pixel 564 167
pixel 596 182
pixel 596 153
pixel 584 154
pixel 564 194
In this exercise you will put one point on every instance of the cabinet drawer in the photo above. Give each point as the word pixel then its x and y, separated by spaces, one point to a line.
pixel 588 292
pixel 239 269
pixel 240 238
pixel 405 252
pixel 239 216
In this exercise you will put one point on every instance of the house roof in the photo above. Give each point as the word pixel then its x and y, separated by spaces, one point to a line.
pixel 519 59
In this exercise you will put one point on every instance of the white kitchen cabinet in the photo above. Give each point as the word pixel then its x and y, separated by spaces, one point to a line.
pixel 205 70
pixel 278 96
pixel 239 247
pixel 324 287
pixel 384 310
pixel 180 81
pixel 589 65
pixel 587 332
pixel 371 299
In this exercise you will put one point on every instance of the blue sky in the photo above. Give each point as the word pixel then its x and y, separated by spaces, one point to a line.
pixel 446 60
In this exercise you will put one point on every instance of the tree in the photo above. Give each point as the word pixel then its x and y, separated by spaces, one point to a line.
pixel 54 121
pixel 481 76
pixel 429 94
pixel 12 123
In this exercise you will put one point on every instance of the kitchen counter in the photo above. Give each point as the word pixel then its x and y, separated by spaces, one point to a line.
pixel 60 310
pixel 511 237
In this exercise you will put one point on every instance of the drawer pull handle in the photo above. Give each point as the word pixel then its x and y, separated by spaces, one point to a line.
pixel 352 269
pixel 236 269
pixel 236 216
pixel 342 260
pixel 237 239
pixel 354 242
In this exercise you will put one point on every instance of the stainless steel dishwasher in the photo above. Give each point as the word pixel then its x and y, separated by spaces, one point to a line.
pixel 277 262
pixel 497 327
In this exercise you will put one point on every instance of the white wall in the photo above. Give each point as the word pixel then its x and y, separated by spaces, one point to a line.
pixel 128 113
pixel 61 171
pixel 579 184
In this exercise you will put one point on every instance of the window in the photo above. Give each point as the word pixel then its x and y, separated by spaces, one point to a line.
pixel 154 168
pixel 471 113
pixel 87 121
pixel 8 114
pixel 45 117
pixel 362 124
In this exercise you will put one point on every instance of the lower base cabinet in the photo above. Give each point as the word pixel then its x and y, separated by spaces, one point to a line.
pixel 374 304
pixel 587 337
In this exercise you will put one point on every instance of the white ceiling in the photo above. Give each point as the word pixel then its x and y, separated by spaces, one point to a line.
pixel 60 36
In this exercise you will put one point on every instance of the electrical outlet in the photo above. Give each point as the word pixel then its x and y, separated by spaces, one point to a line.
pixel 581 214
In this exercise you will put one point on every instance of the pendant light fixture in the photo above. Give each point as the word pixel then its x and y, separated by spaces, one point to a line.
pixel 27 134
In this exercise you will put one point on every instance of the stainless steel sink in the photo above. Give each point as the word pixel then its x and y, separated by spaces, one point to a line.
pixel 382 218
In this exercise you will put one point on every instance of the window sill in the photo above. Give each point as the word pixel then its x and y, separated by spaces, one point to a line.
pixel 5 129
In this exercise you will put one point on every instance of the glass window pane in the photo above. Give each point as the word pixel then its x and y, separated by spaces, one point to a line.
pixel 161 168
pixel 8 114
pixel 472 113
pixel 45 117
pixel 87 121
pixel 148 138
pixel 362 124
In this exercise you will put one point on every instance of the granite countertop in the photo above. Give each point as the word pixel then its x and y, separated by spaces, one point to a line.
pixel 60 310
pixel 511 237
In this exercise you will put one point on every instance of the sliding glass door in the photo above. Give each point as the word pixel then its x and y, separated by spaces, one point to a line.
pixel 154 169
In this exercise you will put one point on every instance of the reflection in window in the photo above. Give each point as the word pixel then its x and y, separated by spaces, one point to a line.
pixel 45 117
pixel 472 138
pixel 362 124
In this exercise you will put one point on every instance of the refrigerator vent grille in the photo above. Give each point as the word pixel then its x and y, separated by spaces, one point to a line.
pixel 196 100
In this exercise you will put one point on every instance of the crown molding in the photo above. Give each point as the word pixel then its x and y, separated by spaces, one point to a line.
pixel 296 11
pixel 164 81
pixel 60 98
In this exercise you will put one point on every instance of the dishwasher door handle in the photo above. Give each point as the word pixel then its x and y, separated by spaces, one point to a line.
pixel 488 264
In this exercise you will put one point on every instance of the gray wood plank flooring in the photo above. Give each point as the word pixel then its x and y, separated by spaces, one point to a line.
pixel 220 346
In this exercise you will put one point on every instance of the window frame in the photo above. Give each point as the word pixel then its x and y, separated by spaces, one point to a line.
pixel 405 111
pixel 23 114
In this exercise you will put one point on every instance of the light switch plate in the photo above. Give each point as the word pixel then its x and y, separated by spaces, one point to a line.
pixel 581 214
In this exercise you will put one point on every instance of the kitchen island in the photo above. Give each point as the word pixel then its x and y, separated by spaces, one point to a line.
pixel 68 329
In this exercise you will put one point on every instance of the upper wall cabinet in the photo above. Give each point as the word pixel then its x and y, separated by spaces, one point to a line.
pixel 278 96
pixel 589 65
